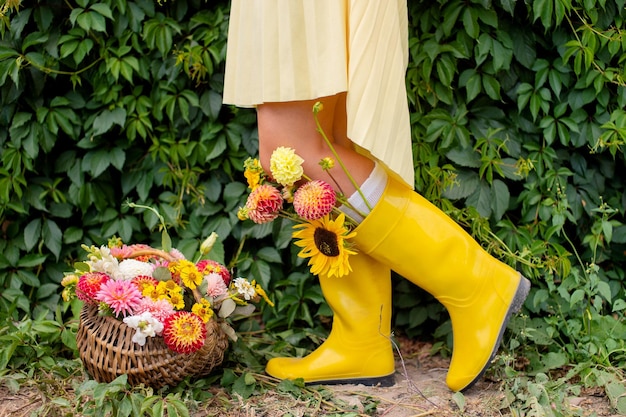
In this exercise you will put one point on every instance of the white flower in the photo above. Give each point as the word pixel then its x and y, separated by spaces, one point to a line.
pixel 101 260
pixel 130 268
pixel 244 288
pixel 146 326
pixel 215 285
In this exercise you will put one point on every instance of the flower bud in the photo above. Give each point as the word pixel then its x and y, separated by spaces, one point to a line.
pixel 327 163
pixel 208 243
pixel 242 214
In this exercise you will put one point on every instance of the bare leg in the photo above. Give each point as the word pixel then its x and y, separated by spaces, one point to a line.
pixel 291 124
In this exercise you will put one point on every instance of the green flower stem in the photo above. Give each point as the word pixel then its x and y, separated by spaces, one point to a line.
pixel 342 199
pixel 316 108
pixel 166 241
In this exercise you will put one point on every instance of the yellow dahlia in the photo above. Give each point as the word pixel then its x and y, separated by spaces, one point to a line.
pixel 314 200
pixel 325 242
pixel 152 291
pixel 177 300
pixel 263 204
pixel 189 274
pixel 286 166
pixel 169 287
pixel 203 310
pixel 184 332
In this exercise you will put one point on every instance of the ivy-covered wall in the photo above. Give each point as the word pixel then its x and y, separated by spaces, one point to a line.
pixel 518 132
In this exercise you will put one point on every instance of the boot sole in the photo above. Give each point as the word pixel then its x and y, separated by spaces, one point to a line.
pixel 378 381
pixel 516 305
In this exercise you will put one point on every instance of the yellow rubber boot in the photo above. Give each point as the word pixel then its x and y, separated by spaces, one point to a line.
pixel 425 246
pixel 358 349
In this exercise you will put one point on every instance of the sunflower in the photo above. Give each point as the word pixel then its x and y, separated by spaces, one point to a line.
pixel 325 242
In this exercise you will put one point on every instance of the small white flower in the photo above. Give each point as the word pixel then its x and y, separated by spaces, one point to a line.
pixel 215 285
pixel 130 268
pixel 146 326
pixel 244 288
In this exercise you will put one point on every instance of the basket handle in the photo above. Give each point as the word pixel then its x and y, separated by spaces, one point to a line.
pixel 153 252
pixel 168 257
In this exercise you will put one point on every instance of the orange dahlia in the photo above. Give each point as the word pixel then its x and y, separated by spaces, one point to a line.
pixel 184 332
pixel 89 284
pixel 314 200
pixel 144 281
pixel 263 204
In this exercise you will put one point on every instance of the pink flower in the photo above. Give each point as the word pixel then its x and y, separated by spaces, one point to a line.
pixel 160 309
pixel 207 266
pixel 216 285
pixel 177 254
pixel 121 252
pixel 121 296
pixel 89 284
pixel 264 203
pixel 314 200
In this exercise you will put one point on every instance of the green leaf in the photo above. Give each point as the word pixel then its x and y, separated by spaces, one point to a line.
pixel 96 162
pixel 471 80
pixel 32 234
pixel 466 184
pixel 470 22
pixel 242 388
pixel 107 118
pixel 269 254
pixel 543 9
pixel 618 305
pixel 52 237
pixel 501 199
pixel 577 297
pixel 31 260
pixel 604 289
pixel 103 9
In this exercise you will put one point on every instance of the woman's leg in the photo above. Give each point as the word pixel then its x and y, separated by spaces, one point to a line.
pixel 292 124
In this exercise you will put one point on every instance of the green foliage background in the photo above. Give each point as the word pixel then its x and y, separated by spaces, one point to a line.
pixel 518 132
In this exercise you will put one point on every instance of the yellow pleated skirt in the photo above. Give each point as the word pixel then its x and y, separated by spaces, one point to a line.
pixel 286 50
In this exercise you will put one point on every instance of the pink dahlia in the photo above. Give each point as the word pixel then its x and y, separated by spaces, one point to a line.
pixel 207 266
pixel 314 200
pixel 184 332
pixel 89 284
pixel 160 309
pixel 264 203
pixel 215 285
pixel 121 252
pixel 121 296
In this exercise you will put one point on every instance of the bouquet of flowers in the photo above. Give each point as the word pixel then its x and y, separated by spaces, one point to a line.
pixel 321 230
pixel 160 302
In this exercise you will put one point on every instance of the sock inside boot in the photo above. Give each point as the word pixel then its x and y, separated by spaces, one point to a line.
pixel 372 189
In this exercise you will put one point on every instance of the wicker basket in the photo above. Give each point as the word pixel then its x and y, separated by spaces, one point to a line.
pixel 107 351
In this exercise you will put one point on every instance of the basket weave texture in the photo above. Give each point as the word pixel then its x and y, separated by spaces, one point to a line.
pixel 107 351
